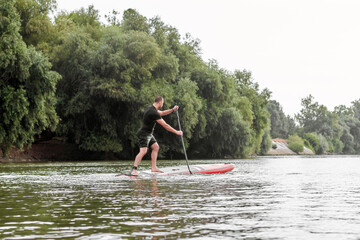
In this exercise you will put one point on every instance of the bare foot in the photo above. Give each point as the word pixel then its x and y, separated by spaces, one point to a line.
pixel 134 172
pixel 156 170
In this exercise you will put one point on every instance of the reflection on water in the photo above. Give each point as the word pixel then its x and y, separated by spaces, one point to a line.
pixel 263 198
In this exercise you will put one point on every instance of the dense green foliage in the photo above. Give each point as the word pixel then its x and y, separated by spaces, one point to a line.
pixel 312 142
pixel 296 143
pixel 27 85
pixel 35 22
pixel 349 120
pixel 322 131
pixel 281 126
pixel 110 73
pixel 337 131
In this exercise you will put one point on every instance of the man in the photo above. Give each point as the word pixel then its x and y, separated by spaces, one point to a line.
pixel 152 115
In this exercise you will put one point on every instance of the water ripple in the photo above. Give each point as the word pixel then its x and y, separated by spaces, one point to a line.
pixel 263 198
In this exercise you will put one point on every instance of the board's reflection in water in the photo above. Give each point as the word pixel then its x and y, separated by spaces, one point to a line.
pixel 151 208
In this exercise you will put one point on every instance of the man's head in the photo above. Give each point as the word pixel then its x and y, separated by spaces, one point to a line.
pixel 159 101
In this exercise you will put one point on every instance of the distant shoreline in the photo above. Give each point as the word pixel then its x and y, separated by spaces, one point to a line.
pixel 57 150
pixel 281 148
pixel 53 150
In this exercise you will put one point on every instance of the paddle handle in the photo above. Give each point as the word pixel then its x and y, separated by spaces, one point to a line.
pixel 182 140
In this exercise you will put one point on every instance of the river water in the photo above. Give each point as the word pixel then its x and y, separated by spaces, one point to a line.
pixel 262 198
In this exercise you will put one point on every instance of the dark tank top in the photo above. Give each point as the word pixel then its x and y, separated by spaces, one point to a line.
pixel 149 120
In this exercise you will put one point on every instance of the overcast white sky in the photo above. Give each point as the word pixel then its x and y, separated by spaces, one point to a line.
pixel 293 48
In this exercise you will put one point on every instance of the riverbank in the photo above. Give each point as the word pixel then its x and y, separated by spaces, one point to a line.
pixel 53 150
pixel 280 147
pixel 57 150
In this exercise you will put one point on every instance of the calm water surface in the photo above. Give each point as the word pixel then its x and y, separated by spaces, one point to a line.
pixel 262 198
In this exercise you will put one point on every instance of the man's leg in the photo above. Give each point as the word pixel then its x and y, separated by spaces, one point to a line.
pixel 155 150
pixel 138 159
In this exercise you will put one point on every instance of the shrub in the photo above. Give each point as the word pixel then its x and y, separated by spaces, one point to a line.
pixel 312 142
pixel 308 145
pixel 296 143
pixel 337 146
pixel 323 144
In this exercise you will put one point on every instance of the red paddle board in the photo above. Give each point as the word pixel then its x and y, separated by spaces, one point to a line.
pixel 195 169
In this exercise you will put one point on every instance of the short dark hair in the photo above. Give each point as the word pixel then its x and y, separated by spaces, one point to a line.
pixel 158 98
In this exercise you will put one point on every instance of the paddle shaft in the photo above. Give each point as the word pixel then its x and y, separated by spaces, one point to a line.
pixel 182 140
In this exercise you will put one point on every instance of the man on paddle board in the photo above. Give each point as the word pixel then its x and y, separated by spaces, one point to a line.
pixel 152 115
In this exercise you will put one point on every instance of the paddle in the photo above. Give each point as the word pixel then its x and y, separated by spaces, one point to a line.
pixel 182 140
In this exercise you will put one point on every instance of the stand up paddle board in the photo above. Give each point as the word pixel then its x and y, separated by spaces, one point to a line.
pixel 195 169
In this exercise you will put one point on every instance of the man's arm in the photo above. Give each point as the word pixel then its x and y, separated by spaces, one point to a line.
pixel 168 127
pixel 167 112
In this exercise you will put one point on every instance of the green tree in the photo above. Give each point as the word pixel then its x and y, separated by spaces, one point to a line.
pixel 232 134
pixel 107 83
pixel 86 19
pixel 293 127
pixel 278 121
pixel 356 108
pixel 347 138
pixel 133 21
pixel 355 125
pixel 259 102
pixel 312 142
pixel 189 114
pixel 112 18
pixel 351 128
pixel 314 117
pixel 266 143
pixel 225 116
pixel 111 73
pixel 323 143
pixel 27 85
pixel 36 27
pixel 73 91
